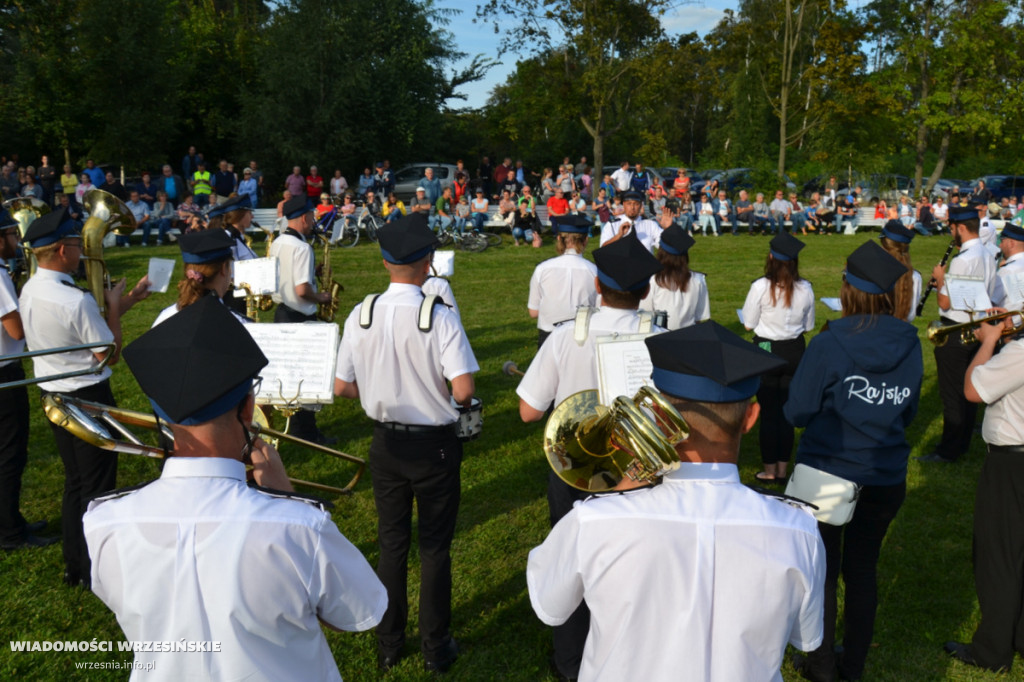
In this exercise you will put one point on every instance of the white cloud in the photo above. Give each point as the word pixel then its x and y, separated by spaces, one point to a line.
pixel 689 18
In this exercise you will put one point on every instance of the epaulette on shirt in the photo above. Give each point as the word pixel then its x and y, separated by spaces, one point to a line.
pixel 115 494
pixel 784 498
pixel 74 286
pixel 313 500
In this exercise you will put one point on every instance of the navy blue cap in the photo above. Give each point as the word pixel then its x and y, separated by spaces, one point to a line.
pixel 574 222
pixel 785 246
pixel 675 240
pixel 1015 232
pixel 708 363
pixel 898 232
pixel 958 213
pixel 872 269
pixel 632 195
pixel 50 228
pixel 296 207
pixel 197 365
pixel 626 264
pixel 407 240
pixel 205 246
pixel 241 202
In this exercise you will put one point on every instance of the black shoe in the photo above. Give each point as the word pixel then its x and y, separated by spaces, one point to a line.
pixel 802 665
pixel 322 438
pixel 35 526
pixel 934 457
pixel 962 653
pixel 388 660
pixel 446 658
pixel 31 540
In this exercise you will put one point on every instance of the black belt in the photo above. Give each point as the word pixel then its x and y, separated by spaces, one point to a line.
pixel 417 428
pixel 1006 449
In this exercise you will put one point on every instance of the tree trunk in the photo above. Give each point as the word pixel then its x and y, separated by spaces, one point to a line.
pixel 921 144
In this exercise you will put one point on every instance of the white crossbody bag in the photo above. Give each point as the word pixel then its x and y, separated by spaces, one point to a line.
pixel 834 497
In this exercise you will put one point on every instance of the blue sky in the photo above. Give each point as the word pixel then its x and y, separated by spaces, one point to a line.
pixel 479 39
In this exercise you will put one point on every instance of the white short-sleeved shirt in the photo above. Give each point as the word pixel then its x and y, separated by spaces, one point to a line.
pixel 172 309
pixel 973 261
pixel 622 179
pixel 940 212
pixel 8 305
pixel 700 572
pixel 1000 383
pixel 778 322
pixel 1013 297
pixel 56 313
pixel 400 370
pixel 441 287
pixel 915 297
pixel 295 258
pixel 558 286
pixel 562 367
pixel 684 308
pixel 987 231
pixel 197 555
pixel 647 231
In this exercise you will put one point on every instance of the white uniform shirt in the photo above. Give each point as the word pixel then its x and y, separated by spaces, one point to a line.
pixel 197 555
pixel 172 309
pixel 558 286
pixel 56 313
pixel 1000 383
pixel 239 249
pixel 1013 297
pixel 700 578
pixel 915 296
pixel 622 179
pixel 777 322
pixel 684 308
pixel 297 266
pixel 973 261
pixel 987 231
pixel 561 367
pixel 441 287
pixel 8 304
pixel 400 370
pixel 647 231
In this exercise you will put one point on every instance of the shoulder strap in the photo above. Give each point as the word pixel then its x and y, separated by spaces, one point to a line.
pixel 114 494
pixel 582 328
pixel 646 321
pixel 322 505
pixel 425 321
pixel 366 312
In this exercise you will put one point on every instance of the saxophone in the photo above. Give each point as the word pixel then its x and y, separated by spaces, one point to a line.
pixel 326 282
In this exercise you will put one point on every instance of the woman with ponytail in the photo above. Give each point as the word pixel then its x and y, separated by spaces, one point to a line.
pixel 677 290
pixel 207 258
pixel 895 239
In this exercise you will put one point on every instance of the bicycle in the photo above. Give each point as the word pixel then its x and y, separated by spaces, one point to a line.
pixel 474 242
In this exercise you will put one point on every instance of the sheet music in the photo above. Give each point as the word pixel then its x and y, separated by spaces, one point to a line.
pixel 160 271
pixel 967 293
pixel 623 365
pixel 444 263
pixel 261 274
pixel 833 304
pixel 302 361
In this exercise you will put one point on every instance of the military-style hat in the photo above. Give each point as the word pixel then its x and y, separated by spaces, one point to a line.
pixel 785 246
pixel 241 202
pixel 296 207
pixel 50 228
pixel 898 232
pixel 872 270
pixel 959 213
pixel 407 240
pixel 708 363
pixel 626 264
pixel 632 195
pixel 574 222
pixel 205 246
pixel 197 365
pixel 1010 231
pixel 675 240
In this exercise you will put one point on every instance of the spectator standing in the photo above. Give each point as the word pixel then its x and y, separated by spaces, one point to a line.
pixel 224 182
pixel 338 184
pixel 547 185
pixel 622 178
pixel 97 176
pixel 565 181
pixel 295 183
pixel 46 176
pixel 365 183
pixel 582 166
pixel 249 187
pixel 431 185
pixel 383 184
pixel 201 188
pixel 460 187
pixel 639 182
pixel 483 175
pixel 190 163
pixel 172 185
pixel 501 173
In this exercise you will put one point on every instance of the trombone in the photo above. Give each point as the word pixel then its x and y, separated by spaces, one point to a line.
pixel 938 333
pixel 105 426
pixel 109 347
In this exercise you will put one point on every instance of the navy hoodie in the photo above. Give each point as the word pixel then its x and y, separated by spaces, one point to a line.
pixel 856 390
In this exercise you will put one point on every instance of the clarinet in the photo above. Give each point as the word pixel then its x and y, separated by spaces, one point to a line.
pixel 931 282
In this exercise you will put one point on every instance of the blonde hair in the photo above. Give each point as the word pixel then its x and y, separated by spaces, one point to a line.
pixel 903 292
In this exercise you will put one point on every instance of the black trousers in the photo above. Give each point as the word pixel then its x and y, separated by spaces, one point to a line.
pixel 542 336
pixel 569 637
pixel 88 471
pixel 958 413
pixel 776 435
pixel 999 557
pixel 853 551
pixel 13 453
pixel 303 422
pixel 424 468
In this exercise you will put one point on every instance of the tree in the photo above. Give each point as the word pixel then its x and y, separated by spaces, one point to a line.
pixel 607 52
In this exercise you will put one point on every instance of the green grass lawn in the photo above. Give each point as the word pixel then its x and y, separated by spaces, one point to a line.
pixel 925 580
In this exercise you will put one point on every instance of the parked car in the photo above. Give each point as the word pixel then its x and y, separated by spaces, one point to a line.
pixel 1002 186
pixel 407 178
pixel 732 181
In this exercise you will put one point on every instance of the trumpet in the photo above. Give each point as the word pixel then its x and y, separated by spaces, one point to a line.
pixel 939 334
pixel 592 447
pixel 105 426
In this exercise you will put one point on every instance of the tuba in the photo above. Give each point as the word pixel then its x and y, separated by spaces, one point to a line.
pixel 24 210
pixel 592 447
pixel 106 213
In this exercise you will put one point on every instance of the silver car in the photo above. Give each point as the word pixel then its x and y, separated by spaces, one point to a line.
pixel 407 178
